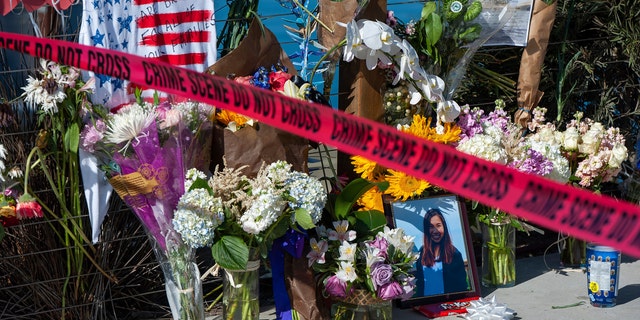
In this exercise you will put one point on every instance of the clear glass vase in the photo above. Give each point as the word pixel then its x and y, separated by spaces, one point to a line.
pixel 498 255
pixel 240 297
pixel 182 281
pixel 361 305
pixel 573 252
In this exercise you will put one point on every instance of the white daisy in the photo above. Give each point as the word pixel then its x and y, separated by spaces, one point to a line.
pixel 129 124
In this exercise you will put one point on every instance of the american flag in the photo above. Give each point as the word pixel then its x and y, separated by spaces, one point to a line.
pixel 180 32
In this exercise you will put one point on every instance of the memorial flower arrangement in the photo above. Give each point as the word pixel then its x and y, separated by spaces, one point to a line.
pixel 594 155
pixel 234 214
pixel 145 149
pixel 380 265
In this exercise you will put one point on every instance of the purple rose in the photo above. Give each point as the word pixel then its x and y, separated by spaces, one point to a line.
pixel 381 274
pixel 390 291
pixel 335 287
pixel 382 244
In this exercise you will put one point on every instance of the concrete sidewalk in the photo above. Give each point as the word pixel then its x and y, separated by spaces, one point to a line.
pixel 540 287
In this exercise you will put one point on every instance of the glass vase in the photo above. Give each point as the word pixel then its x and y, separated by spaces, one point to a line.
pixel 361 305
pixel 498 255
pixel 182 281
pixel 240 297
pixel 573 252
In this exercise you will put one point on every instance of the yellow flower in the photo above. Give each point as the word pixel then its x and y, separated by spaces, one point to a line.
pixel 421 127
pixel 367 169
pixel 226 117
pixel 371 200
pixel 403 186
pixel 8 211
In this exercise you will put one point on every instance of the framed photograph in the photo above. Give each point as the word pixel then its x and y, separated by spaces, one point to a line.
pixel 446 273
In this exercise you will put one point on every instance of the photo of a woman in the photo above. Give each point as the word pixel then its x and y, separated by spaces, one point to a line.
pixel 440 268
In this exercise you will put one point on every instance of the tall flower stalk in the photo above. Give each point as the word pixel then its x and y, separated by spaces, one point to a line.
pixel 62 100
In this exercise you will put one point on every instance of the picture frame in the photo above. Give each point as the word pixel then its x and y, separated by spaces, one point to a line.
pixel 435 295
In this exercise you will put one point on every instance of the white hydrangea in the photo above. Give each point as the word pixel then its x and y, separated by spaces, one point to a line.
pixel 307 193
pixel 263 212
pixel 279 172
pixel 191 176
pixel 196 230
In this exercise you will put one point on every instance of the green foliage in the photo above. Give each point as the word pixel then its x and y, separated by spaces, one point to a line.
pixel 231 253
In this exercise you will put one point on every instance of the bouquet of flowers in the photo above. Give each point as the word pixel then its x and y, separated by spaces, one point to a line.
pixel 593 155
pixel 145 149
pixel 240 217
pixel 380 264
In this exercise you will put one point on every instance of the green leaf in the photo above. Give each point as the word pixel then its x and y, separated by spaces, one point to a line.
pixel 349 195
pixel 200 183
pixel 303 218
pixel 432 29
pixel 72 138
pixel 231 253
pixel 369 222
pixel 429 8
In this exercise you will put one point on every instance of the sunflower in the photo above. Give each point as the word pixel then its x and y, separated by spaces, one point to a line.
pixel 226 117
pixel 367 169
pixel 371 200
pixel 421 127
pixel 403 186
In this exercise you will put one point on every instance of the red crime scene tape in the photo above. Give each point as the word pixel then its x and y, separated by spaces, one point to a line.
pixel 555 206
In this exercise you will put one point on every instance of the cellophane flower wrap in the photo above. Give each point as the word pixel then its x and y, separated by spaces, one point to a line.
pixel 145 149
pixel 380 264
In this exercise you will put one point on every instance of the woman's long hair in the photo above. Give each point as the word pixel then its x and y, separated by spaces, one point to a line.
pixel 447 250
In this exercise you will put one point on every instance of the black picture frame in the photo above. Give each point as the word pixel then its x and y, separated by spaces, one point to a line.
pixel 409 215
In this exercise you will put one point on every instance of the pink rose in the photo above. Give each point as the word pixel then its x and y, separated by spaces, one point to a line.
pixel 382 244
pixel 244 80
pixel 277 80
pixel 335 287
pixel 390 291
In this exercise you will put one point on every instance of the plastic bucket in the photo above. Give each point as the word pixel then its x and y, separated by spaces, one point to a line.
pixel 603 273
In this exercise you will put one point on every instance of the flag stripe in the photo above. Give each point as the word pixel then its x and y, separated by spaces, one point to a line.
pixel 174 18
pixel 143 2
pixel 175 38
pixel 183 59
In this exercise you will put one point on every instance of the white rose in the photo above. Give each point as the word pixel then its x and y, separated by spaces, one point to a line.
pixel 570 139
pixel 546 134
pixel 590 142
pixel 618 154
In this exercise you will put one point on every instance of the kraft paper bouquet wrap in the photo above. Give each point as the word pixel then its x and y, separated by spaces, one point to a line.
pixel 145 149
pixel 242 143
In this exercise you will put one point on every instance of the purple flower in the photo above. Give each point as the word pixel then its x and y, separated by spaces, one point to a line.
pixel 382 244
pixel 390 291
pixel 335 287
pixel 408 284
pixel 536 163
pixel 92 134
pixel 381 274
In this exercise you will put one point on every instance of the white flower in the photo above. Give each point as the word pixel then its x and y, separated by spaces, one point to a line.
pixel 263 212
pixel 379 36
pixel 354 44
pixel 171 118
pixel 307 193
pixel 486 147
pixel 570 139
pixel 346 272
pixel 347 251
pixel 128 124
pixel 447 111
pixel 590 142
pixel 409 63
pixel 372 256
pixel 618 155
pixel 341 232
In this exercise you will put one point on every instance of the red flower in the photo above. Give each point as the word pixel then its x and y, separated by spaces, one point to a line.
pixel 29 210
pixel 8 221
pixel 277 80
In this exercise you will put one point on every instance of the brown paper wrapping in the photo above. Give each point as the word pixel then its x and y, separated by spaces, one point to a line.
pixel 360 88
pixel 532 58
pixel 330 13
pixel 263 143
pixel 252 146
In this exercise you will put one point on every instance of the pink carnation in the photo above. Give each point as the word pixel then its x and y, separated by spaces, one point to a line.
pixel 28 210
